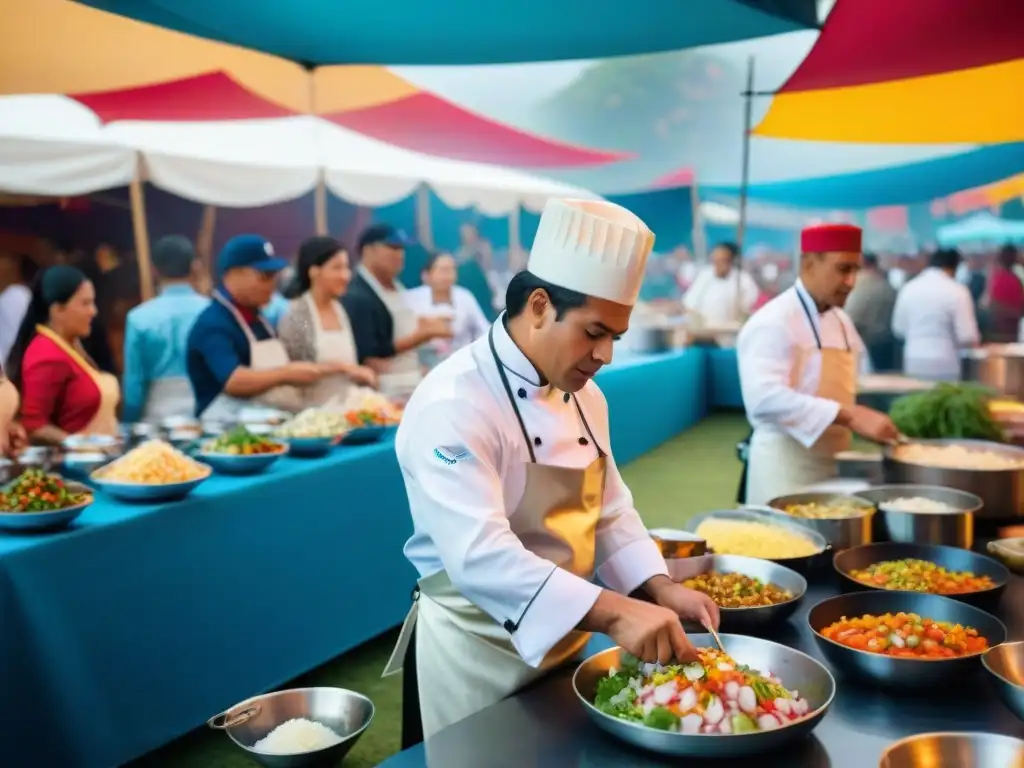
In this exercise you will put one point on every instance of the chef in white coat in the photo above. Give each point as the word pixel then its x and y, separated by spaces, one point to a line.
pixel 723 294
pixel 518 508
pixel 798 361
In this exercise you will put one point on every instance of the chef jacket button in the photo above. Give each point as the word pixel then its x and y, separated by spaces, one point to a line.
pixel 536 441
pixel 583 441
pixel 509 626
pixel 565 397
pixel 521 393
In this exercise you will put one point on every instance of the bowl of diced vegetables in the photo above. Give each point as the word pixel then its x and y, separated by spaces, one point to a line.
pixel 38 501
pixel 365 426
pixel 240 452
pixel 313 432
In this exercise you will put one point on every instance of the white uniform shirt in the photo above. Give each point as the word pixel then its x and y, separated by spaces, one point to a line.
pixel 463 458
pixel 468 320
pixel 14 301
pixel 934 315
pixel 722 301
pixel 776 395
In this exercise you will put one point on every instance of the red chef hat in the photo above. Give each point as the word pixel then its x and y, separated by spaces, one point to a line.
pixel 826 238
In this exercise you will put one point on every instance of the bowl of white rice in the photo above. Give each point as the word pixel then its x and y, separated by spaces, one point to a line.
pixel 297 728
pixel 924 514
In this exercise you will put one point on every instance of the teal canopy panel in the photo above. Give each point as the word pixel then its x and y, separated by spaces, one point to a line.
pixel 425 32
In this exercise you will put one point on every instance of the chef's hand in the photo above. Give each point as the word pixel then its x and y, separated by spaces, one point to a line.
pixel 303 373
pixel 364 375
pixel 649 632
pixel 870 424
pixel 14 440
pixel 688 604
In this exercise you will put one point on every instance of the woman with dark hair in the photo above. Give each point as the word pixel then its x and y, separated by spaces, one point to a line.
pixel 1005 298
pixel 63 390
pixel 439 296
pixel 316 328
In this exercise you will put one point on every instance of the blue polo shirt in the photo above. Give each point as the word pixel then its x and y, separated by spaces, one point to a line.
pixel 216 347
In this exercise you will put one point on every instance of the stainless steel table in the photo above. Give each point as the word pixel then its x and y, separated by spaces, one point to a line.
pixel 545 727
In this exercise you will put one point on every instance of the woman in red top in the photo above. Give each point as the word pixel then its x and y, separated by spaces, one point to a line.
pixel 62 391
pixel 1005 298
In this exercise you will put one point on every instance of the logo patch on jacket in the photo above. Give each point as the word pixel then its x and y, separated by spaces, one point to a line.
pixel 450 456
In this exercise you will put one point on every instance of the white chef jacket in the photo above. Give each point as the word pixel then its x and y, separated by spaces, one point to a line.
pixel 776 396
pixel 468 320
pixel 14 302
pixel 463 459
pixel 934 315
pixel 722 300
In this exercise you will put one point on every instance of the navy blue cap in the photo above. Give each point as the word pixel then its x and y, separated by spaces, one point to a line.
pixel 383 233
pixel 249 251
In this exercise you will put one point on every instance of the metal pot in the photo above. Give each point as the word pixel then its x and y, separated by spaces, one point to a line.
pixel 840 532
pixel 999 367
pixel 1000 490
pixel 953 529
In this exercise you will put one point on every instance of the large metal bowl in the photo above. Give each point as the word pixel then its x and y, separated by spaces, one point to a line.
pixel 40 522
pixel 768 572
pixel 954 529
pixel 955 750
pixel 1005 664
pixel 1001 490
pixel 802 565
pixel 950 558
pixel 889 671
pixel 797 670
pixel 840 532
pixel 345 712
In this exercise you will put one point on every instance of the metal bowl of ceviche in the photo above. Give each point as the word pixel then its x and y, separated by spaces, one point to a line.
pixel 903 640
pixel 760 697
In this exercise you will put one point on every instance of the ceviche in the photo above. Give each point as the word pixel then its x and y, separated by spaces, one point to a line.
pixel 714 695
pixel 907 636
pixel 910 575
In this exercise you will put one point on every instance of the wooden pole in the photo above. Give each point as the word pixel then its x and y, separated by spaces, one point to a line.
pixel 748 109
pixel 320 205
pixel 141 232
pixel 700 246
pixel 424 225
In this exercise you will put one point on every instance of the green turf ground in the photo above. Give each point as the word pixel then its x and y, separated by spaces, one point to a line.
pixel 696 471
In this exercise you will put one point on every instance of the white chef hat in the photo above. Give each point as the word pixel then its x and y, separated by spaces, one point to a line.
pixel 591 246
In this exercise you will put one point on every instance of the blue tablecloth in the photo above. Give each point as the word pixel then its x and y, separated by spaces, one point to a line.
pixel 723 378
pixel 136 625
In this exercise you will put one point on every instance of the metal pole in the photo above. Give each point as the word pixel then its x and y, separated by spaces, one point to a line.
pixel 748 108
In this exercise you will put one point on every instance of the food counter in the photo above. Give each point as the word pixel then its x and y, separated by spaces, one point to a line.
pixel 547 727
pixel 140 621
pixel 723 378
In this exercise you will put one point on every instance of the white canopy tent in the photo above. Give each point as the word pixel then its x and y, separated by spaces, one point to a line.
pixel 52 145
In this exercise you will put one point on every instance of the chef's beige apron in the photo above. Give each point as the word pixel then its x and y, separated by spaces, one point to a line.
pixel 403 373
pixel 104 421
pixel 465 661
pixel 169 398
pixel 331 347
pixel 263 356
pixel 777 464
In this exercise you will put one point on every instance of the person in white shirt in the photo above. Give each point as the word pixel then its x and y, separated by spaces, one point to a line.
pixel 798 361
pixel 15 297
pixel 516 502
pixel 723 295
pixel 934 316
pixel 439 296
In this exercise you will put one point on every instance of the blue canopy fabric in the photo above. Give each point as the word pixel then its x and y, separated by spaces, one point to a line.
pixel 445 32
pixel 981 228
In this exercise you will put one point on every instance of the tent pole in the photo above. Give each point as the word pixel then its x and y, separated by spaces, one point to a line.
pixel 748 109
pixel 424 230
pixel 700 247
pixel 320 205
pixel 141 232
pixel 514 235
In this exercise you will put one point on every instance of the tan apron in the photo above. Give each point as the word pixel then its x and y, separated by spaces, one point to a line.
pixel 403 372
pixel 465 660
pixel 331 347
pixel 263 356
pixel 104 421
pixel 777 464
pixel 169 398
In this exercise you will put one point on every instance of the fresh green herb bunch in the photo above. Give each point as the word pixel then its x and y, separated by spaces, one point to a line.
pixel 947 411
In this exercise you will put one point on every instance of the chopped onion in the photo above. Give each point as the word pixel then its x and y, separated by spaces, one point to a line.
pixel 693 672
pixel 768 722
pixel 691 723
pixel 783 706
pixel 714 712
pixel 747 699
pixel 725 726
pixel 732 690
pixel 688 699
pixel 665 692
pixel 896 640
pixel 801 707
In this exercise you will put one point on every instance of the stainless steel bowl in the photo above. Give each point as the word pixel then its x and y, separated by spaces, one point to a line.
pixel 768 572
pixel 894 672
pixel 797 670
pixel 799 564
pixel 840 532
pixel 1005 664
pixel 950 558
pixel 1001 490
pixel 1010 551
pixel 955 750
pixel 345 712
pixel 954 529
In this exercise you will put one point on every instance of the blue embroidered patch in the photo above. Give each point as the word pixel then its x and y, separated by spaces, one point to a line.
pixel 448 456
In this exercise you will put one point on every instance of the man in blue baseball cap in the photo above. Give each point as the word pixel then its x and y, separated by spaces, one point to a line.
pixel 386 329
pixel 234 358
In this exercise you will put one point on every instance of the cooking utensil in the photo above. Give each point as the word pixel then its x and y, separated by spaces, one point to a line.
pixel 954 529
pixel 768 572
pixel 345 712
pixel 714 635
pixel 892 671
pixel 1005 665
pixel 797 670
pixel 950 558
pixel 1010 551
pixel 955 750
pixel 802 565
pixel 840 532
pixel 1001 490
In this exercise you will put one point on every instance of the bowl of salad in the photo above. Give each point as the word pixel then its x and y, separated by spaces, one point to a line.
pixel 41 501
pixel 313 432
pixel 365 426
pixel 240 452
pixel 757 698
